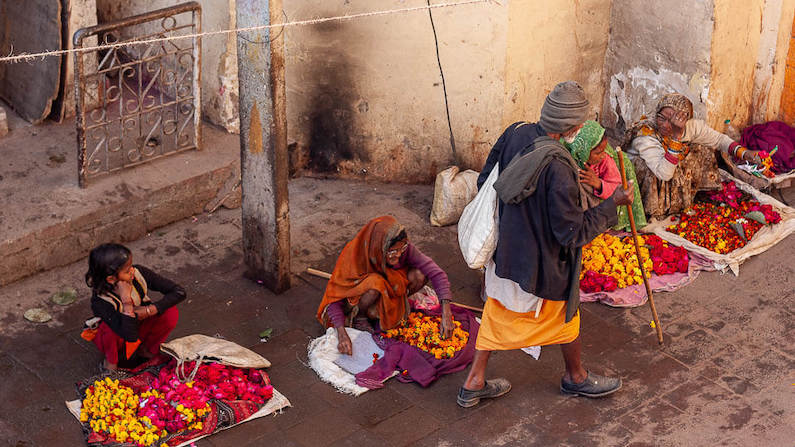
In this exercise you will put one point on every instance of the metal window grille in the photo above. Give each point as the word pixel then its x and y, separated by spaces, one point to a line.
pixel 140 102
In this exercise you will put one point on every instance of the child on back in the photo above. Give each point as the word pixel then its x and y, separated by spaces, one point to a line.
pixel 599 173
pixel 131 322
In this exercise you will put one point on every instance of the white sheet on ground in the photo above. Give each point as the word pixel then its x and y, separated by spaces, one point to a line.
pixel 322 353
pixel 363 349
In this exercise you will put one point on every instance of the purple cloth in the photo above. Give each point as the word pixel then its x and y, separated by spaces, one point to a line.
pixel 420 366
pixel 769 135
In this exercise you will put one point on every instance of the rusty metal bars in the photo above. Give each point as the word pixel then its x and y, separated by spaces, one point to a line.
pixel 140 104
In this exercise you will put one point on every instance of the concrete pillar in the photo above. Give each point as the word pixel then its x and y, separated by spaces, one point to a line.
pixel 263 145
pixel 3 122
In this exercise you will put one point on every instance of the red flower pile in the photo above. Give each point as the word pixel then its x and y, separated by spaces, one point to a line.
pixel 727 224
pixel 729 194
pixel 215 381
pixel 666 258
pixel 175 406
pixel 771 216
pixel 596 282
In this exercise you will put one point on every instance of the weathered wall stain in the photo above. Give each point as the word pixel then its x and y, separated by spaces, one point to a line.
pixel 255 131
pixel 332 107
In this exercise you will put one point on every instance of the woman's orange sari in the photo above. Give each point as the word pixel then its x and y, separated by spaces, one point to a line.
pixel 362 266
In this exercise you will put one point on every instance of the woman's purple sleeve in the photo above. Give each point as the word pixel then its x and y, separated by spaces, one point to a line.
pixel 438 278
pixel 336 314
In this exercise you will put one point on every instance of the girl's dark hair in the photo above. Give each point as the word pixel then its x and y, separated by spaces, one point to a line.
pixel 103 261
pixel 400 236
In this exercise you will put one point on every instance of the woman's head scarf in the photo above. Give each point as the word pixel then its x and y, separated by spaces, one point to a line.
pixel 589 137
pixel 678 102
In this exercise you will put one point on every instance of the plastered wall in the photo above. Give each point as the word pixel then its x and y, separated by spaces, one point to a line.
pixel 656 48
pixel 365 97
pixel 727 56
pixel 550 42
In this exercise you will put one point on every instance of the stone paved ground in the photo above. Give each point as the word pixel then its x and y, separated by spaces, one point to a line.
pixel 724 376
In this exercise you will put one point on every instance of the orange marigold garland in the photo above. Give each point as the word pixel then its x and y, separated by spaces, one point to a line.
pixel 424 332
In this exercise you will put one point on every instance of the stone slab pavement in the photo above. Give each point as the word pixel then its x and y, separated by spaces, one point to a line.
pixel 725 375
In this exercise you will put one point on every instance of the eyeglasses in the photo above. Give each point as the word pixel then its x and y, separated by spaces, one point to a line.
pixel 397 251
pixel 661 117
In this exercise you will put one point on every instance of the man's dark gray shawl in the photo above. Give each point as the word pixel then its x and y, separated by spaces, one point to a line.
pixel 542 227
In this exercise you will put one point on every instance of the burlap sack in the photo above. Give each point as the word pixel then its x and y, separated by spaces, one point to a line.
pixel 203 348
pixel 451 194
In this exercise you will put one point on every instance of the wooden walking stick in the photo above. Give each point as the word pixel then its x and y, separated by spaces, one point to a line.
pixel 322 274
pixel 637 249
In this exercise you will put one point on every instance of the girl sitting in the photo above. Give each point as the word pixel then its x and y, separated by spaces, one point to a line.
pixel 131 322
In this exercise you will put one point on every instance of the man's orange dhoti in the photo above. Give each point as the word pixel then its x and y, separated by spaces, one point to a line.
pixel 502 329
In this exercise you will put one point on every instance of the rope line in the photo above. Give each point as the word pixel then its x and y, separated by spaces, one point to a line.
pixel 444 85
pixel 27 57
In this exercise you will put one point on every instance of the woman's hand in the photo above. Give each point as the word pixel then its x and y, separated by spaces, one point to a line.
pixel 447 320
pixel 144 312
pixel 345 346
pixel 124 290
pixel 589 177
pixel 679 119
pixel 752 156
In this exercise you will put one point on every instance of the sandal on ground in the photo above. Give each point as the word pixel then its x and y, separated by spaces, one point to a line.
pixel 493 388
pixel 593 386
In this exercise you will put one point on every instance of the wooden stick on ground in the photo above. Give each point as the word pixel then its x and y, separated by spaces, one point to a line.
pixel 637 249
pixel 322 274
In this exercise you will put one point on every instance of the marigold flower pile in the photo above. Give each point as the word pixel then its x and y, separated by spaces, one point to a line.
pixel 112 409
pixel 725 223
pixel 610 263
pixel 423 332
pixel 168 405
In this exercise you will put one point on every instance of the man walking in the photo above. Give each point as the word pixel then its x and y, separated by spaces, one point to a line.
pixel 532 281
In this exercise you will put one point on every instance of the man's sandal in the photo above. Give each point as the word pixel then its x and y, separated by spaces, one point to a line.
pixel 493 388
pixel 593 386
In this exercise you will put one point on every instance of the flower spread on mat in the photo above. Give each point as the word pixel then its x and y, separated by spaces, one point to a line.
pixel 168 405
pixel 666 258
pixel 113 409
pixel 423 332
pixel 726 222
pixel 610 263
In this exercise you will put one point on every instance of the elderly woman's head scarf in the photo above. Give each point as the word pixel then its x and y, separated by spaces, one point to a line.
pixel 678 102
pixel 589 137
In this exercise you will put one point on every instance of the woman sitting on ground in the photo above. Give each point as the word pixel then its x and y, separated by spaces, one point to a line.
pixel 131 322
pixel 674 156
pixel 374 276
pixel 599 173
